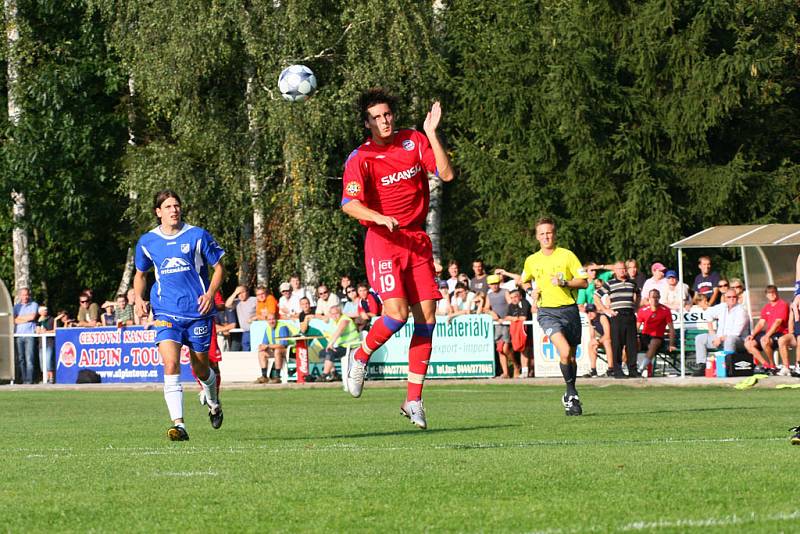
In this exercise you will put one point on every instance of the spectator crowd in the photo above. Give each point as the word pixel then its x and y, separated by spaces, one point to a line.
pixel 629 313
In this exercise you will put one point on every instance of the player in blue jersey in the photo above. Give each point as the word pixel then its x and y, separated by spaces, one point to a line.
pixel 182 300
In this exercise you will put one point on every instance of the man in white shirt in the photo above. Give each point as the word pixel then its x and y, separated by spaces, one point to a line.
pixel 731 321
pixel 675 294
pixel 325 300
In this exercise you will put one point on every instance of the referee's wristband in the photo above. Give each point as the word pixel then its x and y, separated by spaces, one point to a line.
pixel 796 287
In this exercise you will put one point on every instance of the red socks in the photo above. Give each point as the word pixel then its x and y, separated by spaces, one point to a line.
pixel 379 333
pixel 419 354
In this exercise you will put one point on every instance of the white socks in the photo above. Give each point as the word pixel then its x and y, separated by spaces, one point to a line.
pixel 210 388
pixel 173 394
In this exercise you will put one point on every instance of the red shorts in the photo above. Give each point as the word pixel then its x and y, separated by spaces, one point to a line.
pixel 214 354
pixel 400 264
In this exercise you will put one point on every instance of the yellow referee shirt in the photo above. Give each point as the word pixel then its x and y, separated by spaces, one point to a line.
pixel 541 269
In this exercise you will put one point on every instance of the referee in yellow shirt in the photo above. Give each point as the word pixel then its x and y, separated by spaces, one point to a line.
pixel 557 273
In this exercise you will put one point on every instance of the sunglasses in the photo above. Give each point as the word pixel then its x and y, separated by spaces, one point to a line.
pixel 723 285
pixel 83 301
pixel 736 287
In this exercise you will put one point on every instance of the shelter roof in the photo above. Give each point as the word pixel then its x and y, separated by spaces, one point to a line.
pixel 746 235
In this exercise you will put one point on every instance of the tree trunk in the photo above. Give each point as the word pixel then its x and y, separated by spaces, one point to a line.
pixel 262 269
pixel 22 275
pixel 433 223
pixel 127 272
pixel 301 190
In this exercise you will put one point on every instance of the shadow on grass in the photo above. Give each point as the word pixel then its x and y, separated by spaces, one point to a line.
pixel 409 430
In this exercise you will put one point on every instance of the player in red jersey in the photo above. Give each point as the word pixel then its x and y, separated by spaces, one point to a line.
pixel 654 320
pixel 385 187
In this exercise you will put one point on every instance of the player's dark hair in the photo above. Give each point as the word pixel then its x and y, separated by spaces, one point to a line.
pixel 163 195
pixel 374 96
pixel 544 220
pixel 771 288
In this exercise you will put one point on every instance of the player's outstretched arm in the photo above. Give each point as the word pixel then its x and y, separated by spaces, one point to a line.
pixel 359 211
pixel 430 125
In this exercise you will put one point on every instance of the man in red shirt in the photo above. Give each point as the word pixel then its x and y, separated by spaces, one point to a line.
pixel 769 329
pixel 653 320
pixel 385 187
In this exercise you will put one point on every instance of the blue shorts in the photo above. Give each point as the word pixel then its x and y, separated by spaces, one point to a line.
pixel 760 335
pixel 194 333
pixel 564 319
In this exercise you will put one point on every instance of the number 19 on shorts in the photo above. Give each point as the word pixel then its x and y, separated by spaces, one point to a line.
pixel 387 282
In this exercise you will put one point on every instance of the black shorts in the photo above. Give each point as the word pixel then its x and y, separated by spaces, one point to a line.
pixel 564 319
pixel 644 341
pixel 774 337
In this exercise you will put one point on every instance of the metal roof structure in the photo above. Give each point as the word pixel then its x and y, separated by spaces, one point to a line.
pixel 746 235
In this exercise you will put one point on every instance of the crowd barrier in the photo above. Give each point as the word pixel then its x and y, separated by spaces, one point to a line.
pixel 462 348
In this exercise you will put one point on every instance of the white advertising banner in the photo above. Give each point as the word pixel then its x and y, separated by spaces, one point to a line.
pixel 546 358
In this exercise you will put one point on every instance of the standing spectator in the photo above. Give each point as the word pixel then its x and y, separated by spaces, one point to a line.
pixel 307 312
pixel 123 312
pixel 601 335
pixel 728 333
pixel 519 311
pixel 707 281
pixel 245 312
pixel 653 320
pixel 657 281
pixel 478 282
pixel 344 284
pixel 272 346
pixel 623 300
pixel 460 301
pixel 632 268
pixel 285 310
pixel 88 312
pixel 298 292
pixel 352 308
pixel 25 313
pixel 586 294
pixel 676 294
pixel 266 303
pixel 770 328
pixel 107 319
pixel 46 325
pixel 225 321
pixel 325 300
pixel 63 320
pixel 498 300
pixel 452 270
pixel 443 304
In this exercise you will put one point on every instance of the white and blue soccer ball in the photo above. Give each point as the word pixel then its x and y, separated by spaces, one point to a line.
pixel 297 83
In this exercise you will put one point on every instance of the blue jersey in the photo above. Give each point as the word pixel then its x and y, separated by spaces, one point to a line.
pixel 181 264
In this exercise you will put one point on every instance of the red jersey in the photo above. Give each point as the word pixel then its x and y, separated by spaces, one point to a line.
pixel 772 312
pixel 654 323
pixel 392 179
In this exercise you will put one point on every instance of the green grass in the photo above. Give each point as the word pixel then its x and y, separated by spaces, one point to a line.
pixel 496 458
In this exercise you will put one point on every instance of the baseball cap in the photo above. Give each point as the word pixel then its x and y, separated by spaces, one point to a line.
pixel 493 279
pixel 285 286
pixel 671 274
pixel 590 308
pixel 657 266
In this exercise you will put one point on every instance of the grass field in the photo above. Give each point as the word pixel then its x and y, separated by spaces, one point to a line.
pixel 496 458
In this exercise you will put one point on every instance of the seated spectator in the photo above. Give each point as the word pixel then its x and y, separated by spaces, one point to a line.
pixel 601 335
pixel 352 308
pixel 657 281
pixel 285 310
pixel 245 306
pixel 341 333
pixel 452 270
pixel 766 334
pixel 307 312
pixel 700 300
pixel 88 312
pixel 478 282
pixel 272 346
pixel 460 301
pixel 728 334
pixel 741 293
pixel 653 321
pixel 676 295
pixel 45 324
pixel 369 302
pixel 25 313
pixel 790 341
pixel 225 321
pixel 123 312
pixel 266 303
pixel 325 299
pixel 519 311
pixel 107 318
pixel 708 282
pixel 443 304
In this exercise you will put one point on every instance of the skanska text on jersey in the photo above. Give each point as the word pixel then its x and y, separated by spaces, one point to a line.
pixel 395 177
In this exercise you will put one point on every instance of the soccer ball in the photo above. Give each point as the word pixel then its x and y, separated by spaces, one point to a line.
pixel 297 83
